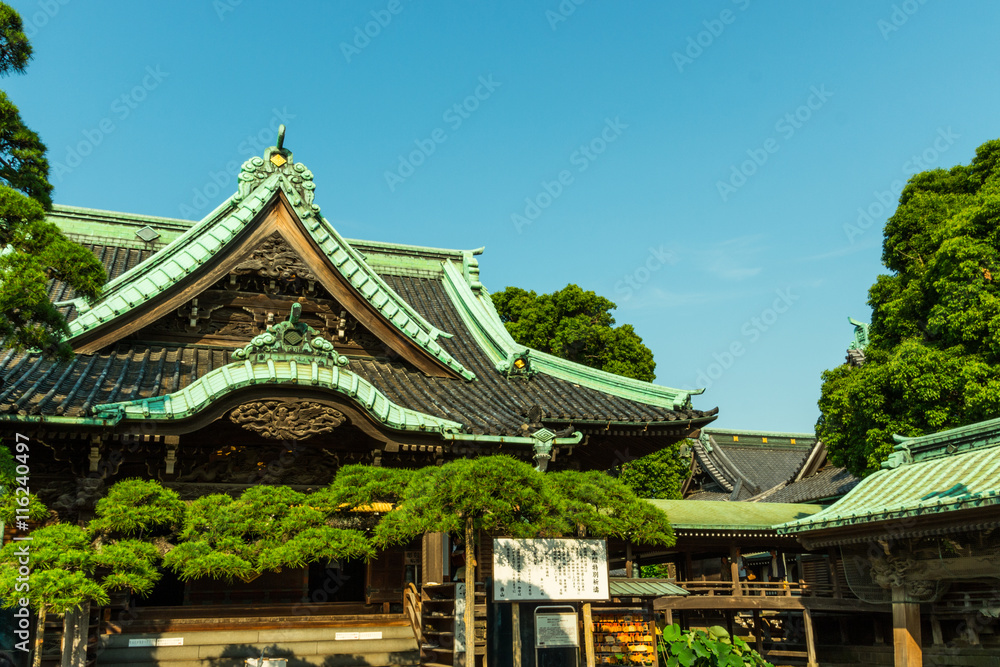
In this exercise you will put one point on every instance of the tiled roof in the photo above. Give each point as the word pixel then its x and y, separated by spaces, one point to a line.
pixel 830 482
pixel 421 292
pixel 754 461
pixel 694 515
pixel 943 484
pixel 493 404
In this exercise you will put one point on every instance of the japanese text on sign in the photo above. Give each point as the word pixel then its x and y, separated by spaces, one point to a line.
pixel 550 569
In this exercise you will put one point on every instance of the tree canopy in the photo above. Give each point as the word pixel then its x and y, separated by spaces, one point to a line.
pixel 657 475
pixel 265 529
pixel 933 357
pixel 32 250
pixel 575 325
pixel 508 497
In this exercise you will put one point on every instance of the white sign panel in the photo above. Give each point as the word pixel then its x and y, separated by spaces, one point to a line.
pixel 553 630
pixel 159 641
pixel 550 569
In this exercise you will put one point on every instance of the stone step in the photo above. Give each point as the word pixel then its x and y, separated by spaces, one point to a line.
pixel 260 636
pixel 303 647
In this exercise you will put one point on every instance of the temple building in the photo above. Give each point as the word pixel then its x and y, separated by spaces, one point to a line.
pixel 259 346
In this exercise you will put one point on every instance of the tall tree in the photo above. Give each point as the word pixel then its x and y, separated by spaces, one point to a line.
pixel 32 250
pixel 575 325
pixel 933 358
pixel 657 475
pixel 504 496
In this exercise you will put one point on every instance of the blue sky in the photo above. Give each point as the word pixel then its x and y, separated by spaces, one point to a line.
pixel 721 170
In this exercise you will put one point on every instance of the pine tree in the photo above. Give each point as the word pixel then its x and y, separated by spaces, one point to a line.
pixel 32 250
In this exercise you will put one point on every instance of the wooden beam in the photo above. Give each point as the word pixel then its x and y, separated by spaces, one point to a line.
pixel 588 635
pixel 810 639
pixel 905 630
pixel 515 622
pixel 770 602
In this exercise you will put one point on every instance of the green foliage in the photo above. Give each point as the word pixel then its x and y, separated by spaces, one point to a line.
pixel 9 505
pixel 266 528
pixel 508 497
pixel 127 565
pixel 605 507
pixel 657 475
pixel 933 360
pixel 138 508
pixel 575 325
pixel 15 50
pixel 62 562
pixel 714 648
pixel 359 485
pixel 500 493
pixel 33 250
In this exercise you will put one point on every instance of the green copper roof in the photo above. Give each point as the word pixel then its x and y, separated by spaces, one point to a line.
pixel 260 180
pixel 625 588
pixel 945 483
pixel 224 380
pixel 945 443
pixel 480 317
pixel 739 516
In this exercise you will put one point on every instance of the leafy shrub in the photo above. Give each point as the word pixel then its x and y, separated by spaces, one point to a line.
pixel 714 648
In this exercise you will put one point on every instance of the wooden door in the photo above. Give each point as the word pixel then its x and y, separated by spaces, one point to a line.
pixel 385 576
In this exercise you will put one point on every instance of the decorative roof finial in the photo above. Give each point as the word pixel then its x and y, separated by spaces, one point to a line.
pixel 281 135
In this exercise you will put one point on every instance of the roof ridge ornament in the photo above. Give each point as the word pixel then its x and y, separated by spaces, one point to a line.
pixel 293 340
pixel 297 180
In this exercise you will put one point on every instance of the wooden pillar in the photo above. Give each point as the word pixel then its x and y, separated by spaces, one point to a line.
pixel 758 631
pixel 670 616
pixel 810 638
pixel 628 560
pixel 905 630
pixel 515 622
pixel 834 579
pixel 470 594
pixel 936 634
pixel 734 569
pixel 588 635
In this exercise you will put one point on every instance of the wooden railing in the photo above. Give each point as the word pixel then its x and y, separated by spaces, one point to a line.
pixel 759 588
pixel 412 609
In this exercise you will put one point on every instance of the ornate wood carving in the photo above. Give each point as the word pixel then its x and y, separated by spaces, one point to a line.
pixel 286 421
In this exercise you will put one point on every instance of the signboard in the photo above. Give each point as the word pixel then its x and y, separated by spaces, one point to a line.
pixel 341 636
pixel 159 641
pixel 550 569
pixel 556 629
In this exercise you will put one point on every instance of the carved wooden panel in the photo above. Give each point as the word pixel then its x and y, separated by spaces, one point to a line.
pixel 286 421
